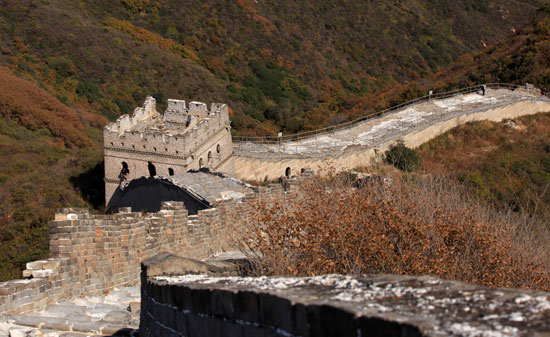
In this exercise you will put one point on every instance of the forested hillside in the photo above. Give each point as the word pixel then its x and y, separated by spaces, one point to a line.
pixel 279 64
pixel 523 57
pixel 44 147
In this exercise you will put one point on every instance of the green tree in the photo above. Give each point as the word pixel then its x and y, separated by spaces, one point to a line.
pixel 402 157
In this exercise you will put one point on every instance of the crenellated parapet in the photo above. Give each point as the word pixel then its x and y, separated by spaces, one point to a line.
pixel 146 111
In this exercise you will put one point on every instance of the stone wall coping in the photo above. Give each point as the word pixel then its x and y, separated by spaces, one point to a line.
pixel 368 305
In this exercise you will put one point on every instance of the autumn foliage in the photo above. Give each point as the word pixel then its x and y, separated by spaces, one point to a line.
pixel 35 108
pixel 414 227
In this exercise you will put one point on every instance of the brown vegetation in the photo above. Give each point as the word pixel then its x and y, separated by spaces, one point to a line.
pixel 45 150
pixel 506 163
pixel 35 108
pixel 418 226
pixel 283 66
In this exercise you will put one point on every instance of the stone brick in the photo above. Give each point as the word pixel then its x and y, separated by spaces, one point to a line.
pixel 245 304
pixel 275 311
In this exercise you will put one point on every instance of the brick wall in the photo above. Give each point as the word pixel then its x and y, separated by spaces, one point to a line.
pixel 93 254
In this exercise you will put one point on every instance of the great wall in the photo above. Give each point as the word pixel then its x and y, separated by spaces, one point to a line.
pixel 356 143
pixel 87 286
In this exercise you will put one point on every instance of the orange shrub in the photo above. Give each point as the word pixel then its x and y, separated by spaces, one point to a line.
pixel 34 108
pixel 422 227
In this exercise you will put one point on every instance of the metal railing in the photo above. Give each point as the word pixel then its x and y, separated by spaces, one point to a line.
pixel 395 108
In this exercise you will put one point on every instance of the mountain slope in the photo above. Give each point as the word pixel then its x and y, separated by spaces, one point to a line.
pixel 42 144
pixel 506 164
pixel 280 65
pixel 521 58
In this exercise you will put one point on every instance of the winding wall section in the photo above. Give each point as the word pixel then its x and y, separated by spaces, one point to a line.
pixel 358 144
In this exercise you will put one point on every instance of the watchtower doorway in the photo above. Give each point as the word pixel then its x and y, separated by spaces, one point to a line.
pixel 124 172
pixel 152 169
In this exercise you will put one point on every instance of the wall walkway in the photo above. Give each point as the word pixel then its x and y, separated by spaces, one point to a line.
pixel 358 144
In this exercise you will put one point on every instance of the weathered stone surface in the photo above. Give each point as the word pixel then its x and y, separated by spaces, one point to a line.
pixel 64 310
pixel 135 307
pixel 83 326
pixel 29 320
pixel 100 310
pixel 36 265
pixel 22 333
pixel 51 264
pixel 374 305
pixel 59 324
pixel 166 264
pixel 42 273
pixel 354 145
pixel 117 316
pixel 80 317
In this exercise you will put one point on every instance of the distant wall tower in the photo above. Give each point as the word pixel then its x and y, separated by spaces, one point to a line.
pixel 184 138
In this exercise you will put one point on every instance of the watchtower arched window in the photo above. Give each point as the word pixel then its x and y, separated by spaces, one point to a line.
pixel 288 172
pixel 209 157
pixel 152 169
pixel 170 171
pixel 200 163
pixel 218 148
pixel 124 172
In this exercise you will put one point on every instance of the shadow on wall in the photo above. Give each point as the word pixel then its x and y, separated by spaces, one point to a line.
pixel 147 193
pixel 91 186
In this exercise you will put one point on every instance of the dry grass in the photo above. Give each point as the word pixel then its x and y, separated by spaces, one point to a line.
pixel 414 225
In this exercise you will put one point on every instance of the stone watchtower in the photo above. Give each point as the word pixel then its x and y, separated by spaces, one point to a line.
pixel 150 144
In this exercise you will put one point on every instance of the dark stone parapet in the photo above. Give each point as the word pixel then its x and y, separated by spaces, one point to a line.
pixel 334 305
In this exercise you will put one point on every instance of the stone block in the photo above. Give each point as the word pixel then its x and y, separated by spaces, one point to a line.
pixel 246 307
pixel 21 332
pixel 374 326
pixel 43 273
pixel 135 307
pixel 30 320
pixel 198 326
pixel 83 326
pixel 125 210
pixel 222 304
pixel 35 265
pixel 300 324
pixel 113 330
pixel 180 323
pixel 118 316
pixel 201 302
pixel 51 264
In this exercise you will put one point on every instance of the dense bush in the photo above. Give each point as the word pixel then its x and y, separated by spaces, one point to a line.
pixel 402 227
pixel 402 157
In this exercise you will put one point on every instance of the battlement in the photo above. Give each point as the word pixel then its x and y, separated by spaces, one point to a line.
pixel 177 302
pixel 147 111
pixel 178 119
